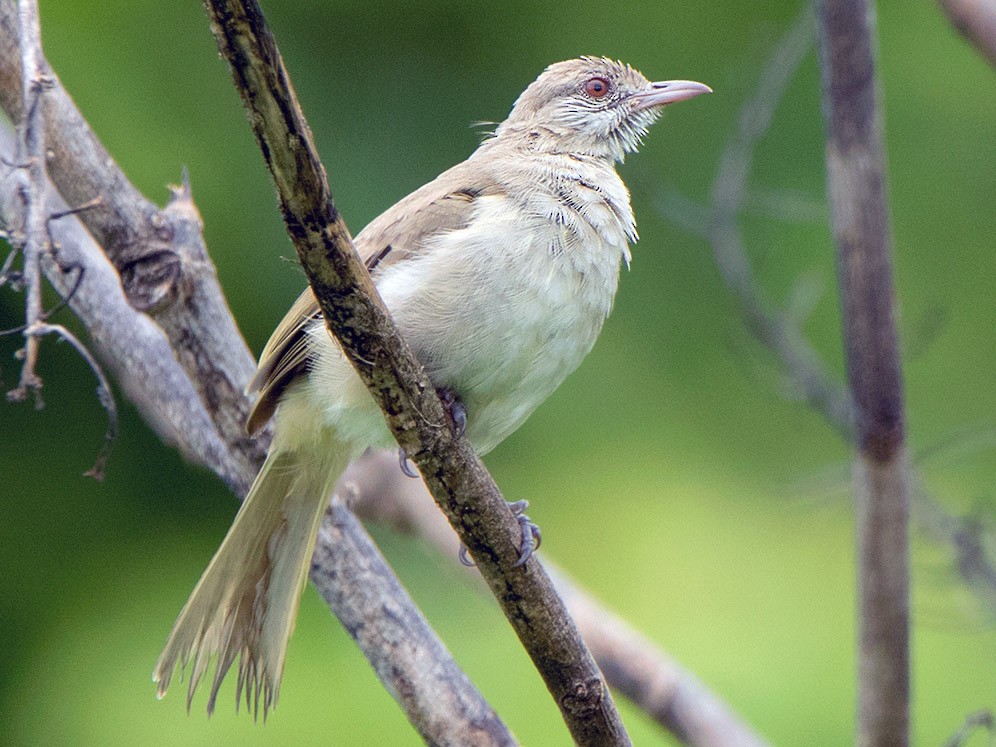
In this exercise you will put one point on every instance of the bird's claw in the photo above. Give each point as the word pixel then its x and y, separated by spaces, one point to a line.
pixel 406 464
pixel 531 537
pixel 457 411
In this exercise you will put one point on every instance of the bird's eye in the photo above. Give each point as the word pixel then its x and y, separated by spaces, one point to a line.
pixel 597 88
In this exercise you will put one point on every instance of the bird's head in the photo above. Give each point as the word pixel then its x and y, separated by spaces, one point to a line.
pixel 592 106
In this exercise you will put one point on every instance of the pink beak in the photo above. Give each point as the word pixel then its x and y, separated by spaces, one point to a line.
pixel 668 92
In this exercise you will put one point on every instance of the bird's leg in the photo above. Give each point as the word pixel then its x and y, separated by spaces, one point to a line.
pixel 456 410
pixel 531 536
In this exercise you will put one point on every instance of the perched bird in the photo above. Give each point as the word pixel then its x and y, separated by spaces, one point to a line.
pixel 499 273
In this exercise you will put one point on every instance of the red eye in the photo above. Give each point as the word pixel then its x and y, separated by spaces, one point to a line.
pixel 597 88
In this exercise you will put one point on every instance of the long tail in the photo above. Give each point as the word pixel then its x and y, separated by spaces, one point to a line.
pixel 246 602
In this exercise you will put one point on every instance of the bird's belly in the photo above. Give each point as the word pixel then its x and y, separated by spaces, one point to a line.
pixel 499 323
pixel 507 331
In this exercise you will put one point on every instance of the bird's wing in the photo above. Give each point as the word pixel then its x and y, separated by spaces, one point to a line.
pixel 401 232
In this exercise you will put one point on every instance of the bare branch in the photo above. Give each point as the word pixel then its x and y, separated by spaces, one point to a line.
pixel 159 254
pixel 778 329
pixel 976 21
pixel 856 179
pixel 775 330
pixel 130 344
pixel 138 353
pixel 973 723
pixel 31 153
pixel 357 317
pixel 633 666
pixel 103 392
pixel 441 703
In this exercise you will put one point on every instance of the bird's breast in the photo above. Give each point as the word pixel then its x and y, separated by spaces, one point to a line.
pixel 504 309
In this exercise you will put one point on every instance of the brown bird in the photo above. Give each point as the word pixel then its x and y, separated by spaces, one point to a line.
pixel 499 273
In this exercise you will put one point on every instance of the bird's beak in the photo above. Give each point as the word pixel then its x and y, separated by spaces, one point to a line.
pixel 667 92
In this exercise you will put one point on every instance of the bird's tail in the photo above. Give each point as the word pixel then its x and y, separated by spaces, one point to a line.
pixel 246 602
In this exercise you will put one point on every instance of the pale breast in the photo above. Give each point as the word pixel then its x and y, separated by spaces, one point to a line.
pixel 502 310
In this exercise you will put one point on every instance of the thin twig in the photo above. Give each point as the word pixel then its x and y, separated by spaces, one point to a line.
pixel 159 254
pixel 973 723
pixel 856 182
pixel 778 331
pixel 31 153
pixel 104 395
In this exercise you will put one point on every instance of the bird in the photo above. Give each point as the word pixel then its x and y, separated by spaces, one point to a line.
pixel 499 273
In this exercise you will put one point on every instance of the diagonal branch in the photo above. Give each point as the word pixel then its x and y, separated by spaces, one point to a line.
pixel 357 317
pixel 138 353
pixel 439 700
pixel 634 666
pixel 775 330
pixel 976 21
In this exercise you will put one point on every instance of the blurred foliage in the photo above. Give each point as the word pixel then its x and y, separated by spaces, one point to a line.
pixel 670 474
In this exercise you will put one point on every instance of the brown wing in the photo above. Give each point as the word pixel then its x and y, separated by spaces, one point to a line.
pixel 444 204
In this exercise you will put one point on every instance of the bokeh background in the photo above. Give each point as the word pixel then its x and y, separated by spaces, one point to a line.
pixel 672 474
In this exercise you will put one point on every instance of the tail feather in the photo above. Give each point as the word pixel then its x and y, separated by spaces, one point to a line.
pixel 246 602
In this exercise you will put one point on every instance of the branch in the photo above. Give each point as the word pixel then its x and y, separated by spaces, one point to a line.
pixel 31 153
pixel 633 666
pixel 976 21
pixel 357 317
pixel 160 255
pixel 775 330
pixel 441 702
pixel 859 217
pixel 778 329
pixel 130 344
pixel 139 354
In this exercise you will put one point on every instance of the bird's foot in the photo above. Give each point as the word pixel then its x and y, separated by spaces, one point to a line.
pixel 458 425
pixel 406 464
pixel 531 537
pixel 456 410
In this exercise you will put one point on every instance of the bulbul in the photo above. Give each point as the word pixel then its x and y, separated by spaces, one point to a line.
pixel 499 273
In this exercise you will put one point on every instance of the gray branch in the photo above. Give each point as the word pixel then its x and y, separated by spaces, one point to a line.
pixel 780 330
pixel 634 666
pixel 856 182
pixel 976 21
pixel 159 254
pixel 147 362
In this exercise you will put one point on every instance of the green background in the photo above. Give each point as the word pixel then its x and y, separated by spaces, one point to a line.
pixel 671 474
